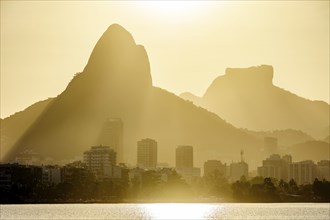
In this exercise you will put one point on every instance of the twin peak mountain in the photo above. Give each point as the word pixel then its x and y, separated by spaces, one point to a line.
pixel 116 83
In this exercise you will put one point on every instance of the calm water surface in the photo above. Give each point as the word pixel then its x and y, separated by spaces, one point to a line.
pixel 168 211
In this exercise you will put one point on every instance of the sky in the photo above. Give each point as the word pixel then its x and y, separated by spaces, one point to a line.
pixel 189 44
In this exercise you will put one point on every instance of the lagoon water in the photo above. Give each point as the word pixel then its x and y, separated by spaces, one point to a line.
pixel 168 211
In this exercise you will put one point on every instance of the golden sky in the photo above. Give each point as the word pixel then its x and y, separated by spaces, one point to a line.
pixel 189 44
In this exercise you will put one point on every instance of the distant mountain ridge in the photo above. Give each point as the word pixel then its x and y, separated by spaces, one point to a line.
pixel 285 138
pixel 116 83
pixel 247 98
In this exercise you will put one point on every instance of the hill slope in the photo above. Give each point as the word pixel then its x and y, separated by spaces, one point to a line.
pixel 247 98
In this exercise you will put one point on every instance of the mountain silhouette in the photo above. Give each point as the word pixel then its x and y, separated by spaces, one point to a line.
pixel 247 98
pixel 310 149
pixel 285 138
pixel 116 83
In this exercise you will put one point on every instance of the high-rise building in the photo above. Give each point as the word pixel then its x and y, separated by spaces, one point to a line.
pixel 147 154
pixel 213 166
pixel 303 172
pixel 185 163
pixel 323 170
pixel 276 167
pixel 100 159
pixel 238 170
pixel 112 135
pixel 287 158
pixel 270 145
pixel 184 158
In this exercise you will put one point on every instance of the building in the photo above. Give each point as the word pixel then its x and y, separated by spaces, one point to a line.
pixel 184 159
pixel 213 166
pixel 238 170
pixel 162 165
pixel 275 167
pixel 184 163
pixel 21 175
pixel 28 157
pixel 112 135
pixel 5 176
pixel 147 154
pixel 71 173
pixel 323 170
pixel 303 172
pixel 287 158
pixel 51 175
pixel 100 160
pixel 135 176
pixel 270 145
pixel 196 172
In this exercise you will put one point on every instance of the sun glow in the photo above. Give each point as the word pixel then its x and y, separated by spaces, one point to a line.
pixel 174 9
pixel 179 211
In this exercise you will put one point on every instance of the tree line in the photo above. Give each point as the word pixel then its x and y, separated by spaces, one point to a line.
pixel 152 187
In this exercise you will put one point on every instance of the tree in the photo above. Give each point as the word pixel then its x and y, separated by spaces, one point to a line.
pixel 241 190
pixel 321 190
pixel 293 188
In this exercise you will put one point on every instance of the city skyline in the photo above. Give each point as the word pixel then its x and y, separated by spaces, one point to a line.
pixel 101 161
pixel 147 159
pixel 164 109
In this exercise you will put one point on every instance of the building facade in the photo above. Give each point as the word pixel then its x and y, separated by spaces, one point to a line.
pixel 238 170
pixel 184 163
pixel 184 157
pixel 323 170
pixel 112 135
pixel 28 157
pixel 51 175
pixel 303 172
pixel 214 166
pixel 147 154
pixel 275 167
pixel 100 159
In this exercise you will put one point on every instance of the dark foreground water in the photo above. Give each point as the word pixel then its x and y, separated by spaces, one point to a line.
pixel 168 211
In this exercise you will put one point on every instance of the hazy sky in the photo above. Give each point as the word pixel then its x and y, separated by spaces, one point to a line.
pixel 44 43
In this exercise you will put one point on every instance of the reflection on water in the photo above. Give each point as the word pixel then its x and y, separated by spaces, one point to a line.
pixel 180 211
pixel 168 211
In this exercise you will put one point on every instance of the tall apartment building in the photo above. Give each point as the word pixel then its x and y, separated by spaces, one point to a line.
pixel 147 154
pixel 303 172
pixel 184 163
pixel 100 159
pixel 323 170
pixel 112 135
pixel 184 159
pixel 213 166
pixel 275 167
pixel 238 170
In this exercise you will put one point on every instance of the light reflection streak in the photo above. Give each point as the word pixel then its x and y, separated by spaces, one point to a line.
pixel 179 211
